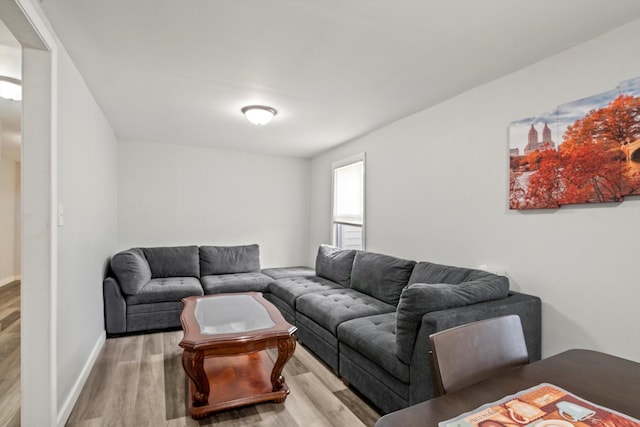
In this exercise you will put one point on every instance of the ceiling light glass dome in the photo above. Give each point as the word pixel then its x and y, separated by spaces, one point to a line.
pixel 259 114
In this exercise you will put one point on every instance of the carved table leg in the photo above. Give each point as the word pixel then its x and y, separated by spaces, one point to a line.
pixel 286 348
pixel 193 363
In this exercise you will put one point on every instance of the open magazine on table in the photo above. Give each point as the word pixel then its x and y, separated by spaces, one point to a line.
pixel 544 405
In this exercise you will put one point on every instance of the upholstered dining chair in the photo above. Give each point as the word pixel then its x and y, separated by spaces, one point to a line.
pixel 470 353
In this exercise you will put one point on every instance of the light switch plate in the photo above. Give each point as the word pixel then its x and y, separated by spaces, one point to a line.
pixel 60 215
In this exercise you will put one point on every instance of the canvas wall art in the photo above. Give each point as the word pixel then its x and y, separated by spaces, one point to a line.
pixel 586 151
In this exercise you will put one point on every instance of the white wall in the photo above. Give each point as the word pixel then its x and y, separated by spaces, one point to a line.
pixel 87 186
pixel 437 186
pixel 10 220
pixel 181 195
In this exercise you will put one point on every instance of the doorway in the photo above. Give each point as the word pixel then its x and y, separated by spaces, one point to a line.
pixel 38 404
pixel 10 225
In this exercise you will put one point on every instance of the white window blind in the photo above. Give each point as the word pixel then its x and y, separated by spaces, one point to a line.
pixel 348 194
pixel 348 203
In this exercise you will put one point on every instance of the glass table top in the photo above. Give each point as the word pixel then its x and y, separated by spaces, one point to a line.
pixel 231 314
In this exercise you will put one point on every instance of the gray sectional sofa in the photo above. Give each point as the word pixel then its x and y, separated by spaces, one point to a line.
pixel 145 286
pixel 368 316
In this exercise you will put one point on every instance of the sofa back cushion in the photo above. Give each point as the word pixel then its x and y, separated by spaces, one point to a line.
pixel 131 269
pixel 335 264
pixel 229 259
pixel 174 261
pixel 421 298
pixel 427 272
pixel 381 276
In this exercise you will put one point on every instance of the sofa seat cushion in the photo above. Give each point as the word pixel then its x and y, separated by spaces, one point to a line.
pixel 290 288
pixel 321 342
pixel 166 290
pixel 384 390
pixel 330 308
pixel 375 338
pixel 155 307
pixel 421 298
pixel 381 276
pixel 173 261
pixel 238 282
pixel 229 259
pixel 287 312
pixel 284 272
pixel 335 264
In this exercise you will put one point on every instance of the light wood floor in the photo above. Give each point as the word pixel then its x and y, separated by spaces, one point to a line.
pixel 10 355
pixel 139 381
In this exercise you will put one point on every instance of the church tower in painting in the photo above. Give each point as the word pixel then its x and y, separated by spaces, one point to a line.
pixel 534 145
pixel 533 135
pixel 546 136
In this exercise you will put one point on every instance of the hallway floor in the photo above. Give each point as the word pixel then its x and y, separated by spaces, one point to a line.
pixel 10 355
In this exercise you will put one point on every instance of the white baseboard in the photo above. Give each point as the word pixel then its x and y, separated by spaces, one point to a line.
pixel 70 401
pixel 8 280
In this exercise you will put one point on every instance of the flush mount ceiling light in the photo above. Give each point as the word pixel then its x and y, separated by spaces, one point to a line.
pixel 10 88
pixel 259 114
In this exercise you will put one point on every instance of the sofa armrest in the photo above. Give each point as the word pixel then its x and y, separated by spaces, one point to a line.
pixel 526 306
pixel 115 307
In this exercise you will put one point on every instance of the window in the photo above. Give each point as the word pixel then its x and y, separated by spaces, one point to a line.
pixel 348 203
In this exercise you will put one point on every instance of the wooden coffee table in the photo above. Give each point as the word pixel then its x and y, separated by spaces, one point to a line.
pixel 225 342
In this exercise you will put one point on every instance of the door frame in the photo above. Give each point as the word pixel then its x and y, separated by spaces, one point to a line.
pixel 39 197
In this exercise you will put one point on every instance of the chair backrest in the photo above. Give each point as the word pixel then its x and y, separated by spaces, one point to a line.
pixel 470 353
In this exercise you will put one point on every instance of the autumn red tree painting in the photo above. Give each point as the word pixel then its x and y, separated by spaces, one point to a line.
pixel 597 160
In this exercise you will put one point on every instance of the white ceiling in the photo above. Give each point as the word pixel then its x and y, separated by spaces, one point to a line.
pixel 180 71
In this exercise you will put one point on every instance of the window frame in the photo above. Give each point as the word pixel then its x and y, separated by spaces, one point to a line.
pixel 357 158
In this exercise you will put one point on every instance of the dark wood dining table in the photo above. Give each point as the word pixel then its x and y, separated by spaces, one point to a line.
pixel 600 378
